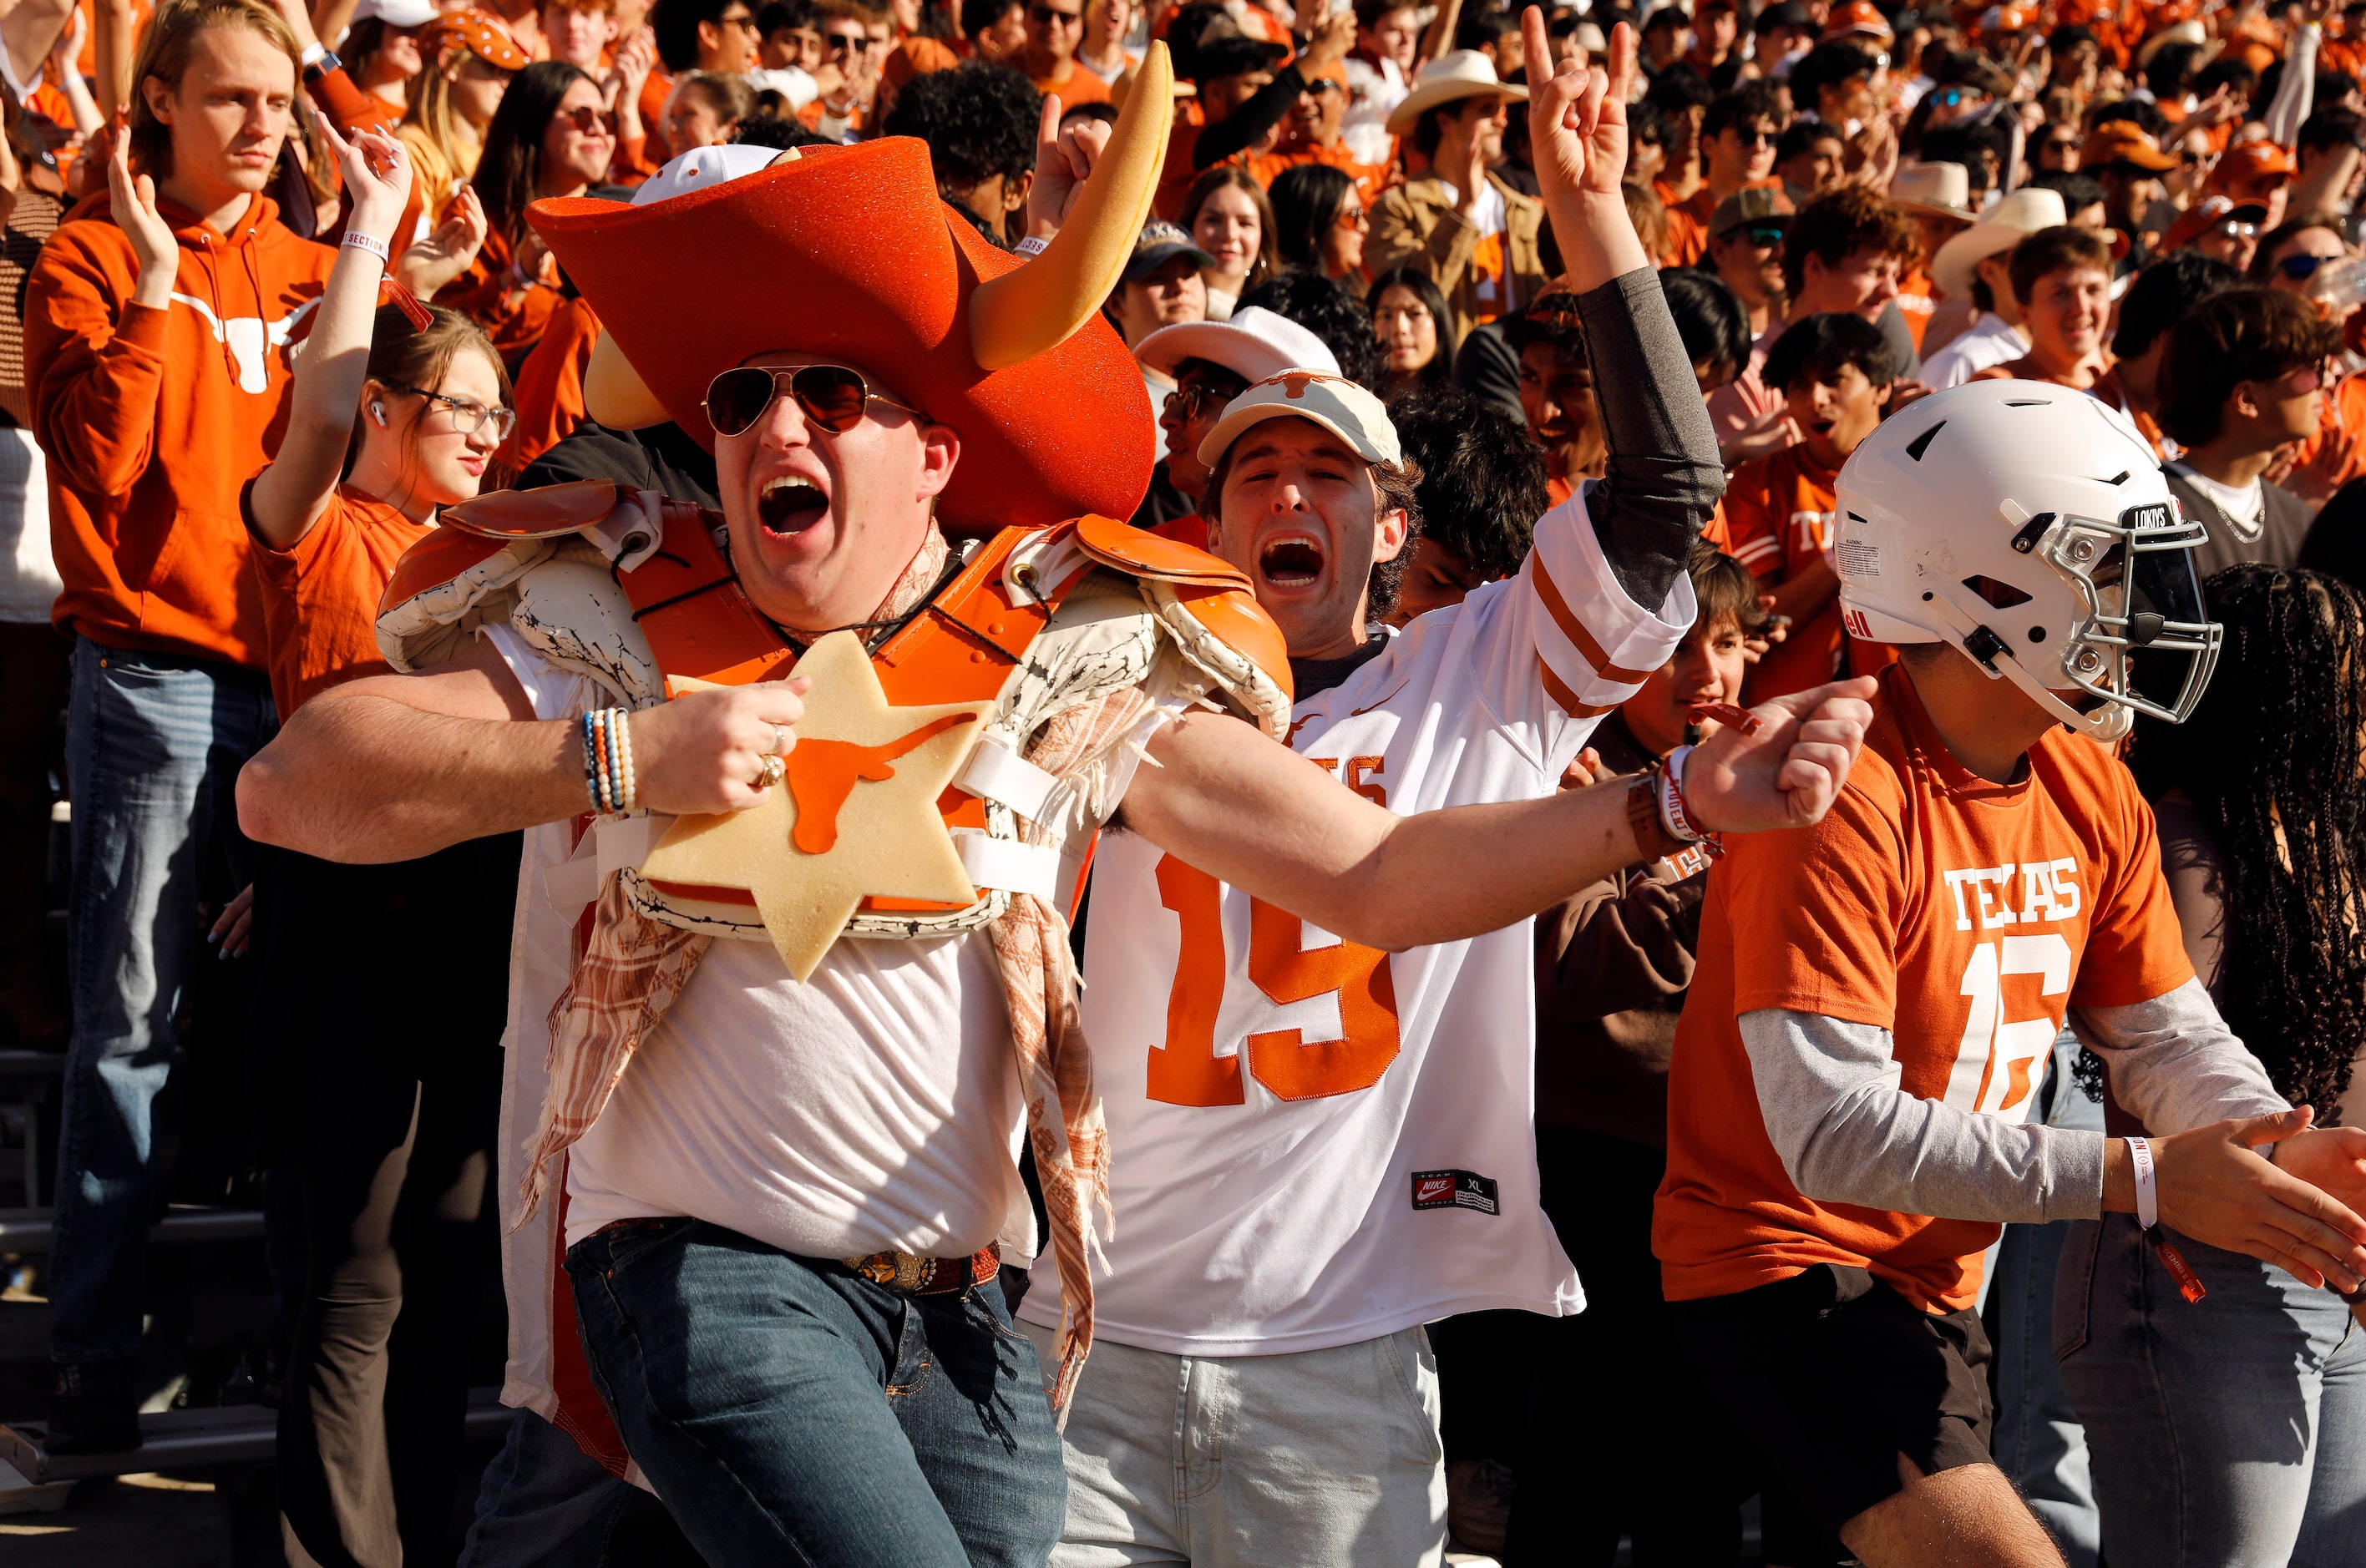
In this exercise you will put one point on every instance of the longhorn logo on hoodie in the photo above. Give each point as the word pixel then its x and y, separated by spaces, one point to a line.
pixel 249 336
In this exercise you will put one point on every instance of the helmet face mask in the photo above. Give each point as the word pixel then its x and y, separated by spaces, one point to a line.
pixel 2030 526
pixel 2137 577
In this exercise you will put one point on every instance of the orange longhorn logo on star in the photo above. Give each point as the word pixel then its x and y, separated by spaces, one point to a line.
pixel 822 775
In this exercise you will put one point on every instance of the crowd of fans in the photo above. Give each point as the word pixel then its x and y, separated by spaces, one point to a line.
pixel 214 450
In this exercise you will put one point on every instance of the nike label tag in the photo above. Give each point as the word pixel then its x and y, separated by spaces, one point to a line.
pixel 1454 1190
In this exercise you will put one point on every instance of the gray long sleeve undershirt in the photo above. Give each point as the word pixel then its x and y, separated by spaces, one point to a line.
pixel 1664 477
pixel 1828 1091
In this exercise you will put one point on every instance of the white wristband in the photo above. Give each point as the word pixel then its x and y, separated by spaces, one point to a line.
pixel 361 242
pixel 1673 815
pixel 2148 1191
pixel 314 53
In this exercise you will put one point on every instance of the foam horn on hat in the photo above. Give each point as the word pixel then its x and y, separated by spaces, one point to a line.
pixel 613 393
pixel 1019 315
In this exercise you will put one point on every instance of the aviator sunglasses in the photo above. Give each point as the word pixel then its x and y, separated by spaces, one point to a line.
pixel 831 396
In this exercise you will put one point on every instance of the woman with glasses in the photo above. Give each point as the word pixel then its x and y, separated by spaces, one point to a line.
pixel 1416 330
pixel 1227 215
pixel 1319 222
pixel 2055 148
pixel 387 1094
pixel 551 136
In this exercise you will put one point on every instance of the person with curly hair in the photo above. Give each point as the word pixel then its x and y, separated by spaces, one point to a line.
pixel 979 120
pixel 1481 489
pixel 2225 1429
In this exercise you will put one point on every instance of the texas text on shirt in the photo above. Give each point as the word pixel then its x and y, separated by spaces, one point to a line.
pixel 1928 938
pixel 1292 1117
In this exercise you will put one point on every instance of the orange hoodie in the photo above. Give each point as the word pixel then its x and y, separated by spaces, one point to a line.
pixel 152 420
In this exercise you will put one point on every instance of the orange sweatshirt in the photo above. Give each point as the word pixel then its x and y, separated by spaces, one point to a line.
pixel 549 391
pixel 152 420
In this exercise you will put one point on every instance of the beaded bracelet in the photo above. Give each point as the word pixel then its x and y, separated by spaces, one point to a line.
pixel 608 776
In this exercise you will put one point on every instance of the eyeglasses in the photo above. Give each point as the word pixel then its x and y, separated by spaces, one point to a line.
pixel 2191 159
pixel 742 20
pixel 1191 402
pixel 1354 220
pixel 2299 267
pixel 468 417
pixel 2309 379
pixel 831 396
pixel 1320 85
pixel 1948 97
pixel 1768 238
pixel 587 121
pixel 2064 143
pixel 1045 17
pixel 1755 136
pixel 858 43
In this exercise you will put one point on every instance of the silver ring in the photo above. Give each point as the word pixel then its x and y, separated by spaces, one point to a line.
pixel 779 740
pixel 774 771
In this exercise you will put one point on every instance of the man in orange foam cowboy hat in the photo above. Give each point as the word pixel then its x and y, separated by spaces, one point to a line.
pixel 808 786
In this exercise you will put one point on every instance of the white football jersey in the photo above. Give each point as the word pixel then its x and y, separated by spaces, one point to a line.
pixel 1313 1142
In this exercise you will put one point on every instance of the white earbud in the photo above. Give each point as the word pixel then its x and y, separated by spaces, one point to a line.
pixel 377 412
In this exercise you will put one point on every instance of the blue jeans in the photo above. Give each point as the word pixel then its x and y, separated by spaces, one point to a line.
pixel 788 1410
pixel 153 745
pixel 2227 1430
pixel 546 1503
pixel 2038 1442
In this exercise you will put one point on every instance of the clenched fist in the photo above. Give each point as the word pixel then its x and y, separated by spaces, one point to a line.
pixel 704 752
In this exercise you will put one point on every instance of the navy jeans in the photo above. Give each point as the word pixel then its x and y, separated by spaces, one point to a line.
pixel 789 1411
pixel 153 745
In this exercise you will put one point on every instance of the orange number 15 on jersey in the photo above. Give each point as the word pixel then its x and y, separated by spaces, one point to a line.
pixel 1188 1071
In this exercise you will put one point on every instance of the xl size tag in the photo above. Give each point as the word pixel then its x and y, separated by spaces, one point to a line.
pixel 1454 1190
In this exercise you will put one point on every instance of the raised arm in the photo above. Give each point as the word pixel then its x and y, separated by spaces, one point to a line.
pixel 1233 804
pixel 288 497
pixel 1665 474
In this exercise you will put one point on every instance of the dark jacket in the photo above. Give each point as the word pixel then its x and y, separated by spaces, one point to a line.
pixel 2280 530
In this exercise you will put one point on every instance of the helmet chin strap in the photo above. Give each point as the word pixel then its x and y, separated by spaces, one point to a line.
pixel 2106 723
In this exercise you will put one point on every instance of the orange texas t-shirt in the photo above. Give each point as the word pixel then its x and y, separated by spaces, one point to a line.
pixel 1962 915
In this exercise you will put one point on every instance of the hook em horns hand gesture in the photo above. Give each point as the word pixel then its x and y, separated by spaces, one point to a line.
pixel 1577 131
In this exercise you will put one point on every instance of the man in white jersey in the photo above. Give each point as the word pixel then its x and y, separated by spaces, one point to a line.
pixel 1317 1146
pixel 783 1167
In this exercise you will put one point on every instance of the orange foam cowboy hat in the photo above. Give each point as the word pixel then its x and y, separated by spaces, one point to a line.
pixel 847 252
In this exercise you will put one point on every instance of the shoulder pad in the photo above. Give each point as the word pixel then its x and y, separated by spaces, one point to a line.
pixel 442 554
pixel 1138 552
pixel 537 513
pixel 1223 631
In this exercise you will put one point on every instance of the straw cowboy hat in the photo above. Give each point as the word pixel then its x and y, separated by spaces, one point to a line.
pixel 1458 73
pixel 2022 213
pixel 848 253
pixel 1939 190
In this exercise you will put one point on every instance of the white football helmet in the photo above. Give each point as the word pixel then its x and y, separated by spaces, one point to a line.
pixel 2030 526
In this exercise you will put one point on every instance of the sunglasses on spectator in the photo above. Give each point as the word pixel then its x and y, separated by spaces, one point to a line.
pixel 1045 17
pixel 2064 143
pixel 1948 97
pixel 742 20
pixel 1320 84
pixel 831 396
pixel 1753 136
pixel 2308 378
pixel 468 417
pixel 1353 219
pixel 1768 238
pixel 1194 401
pixel 859 43
pixel 2299 267
pixel 2191 159
pixel 588 121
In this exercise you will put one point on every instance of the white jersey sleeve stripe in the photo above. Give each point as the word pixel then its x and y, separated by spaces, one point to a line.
pixel 1596 647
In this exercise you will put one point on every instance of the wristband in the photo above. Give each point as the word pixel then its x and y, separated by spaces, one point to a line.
pixel 2148 1191
pixel 361 242
pixel 1652 839
pixel 313 52
pixel 318 65
pixel 1032 246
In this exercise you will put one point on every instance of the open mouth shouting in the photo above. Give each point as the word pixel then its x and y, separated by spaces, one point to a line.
pixel 790 503
pixel 1292 561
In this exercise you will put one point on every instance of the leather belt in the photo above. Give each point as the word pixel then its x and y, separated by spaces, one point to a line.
pixel 906 1273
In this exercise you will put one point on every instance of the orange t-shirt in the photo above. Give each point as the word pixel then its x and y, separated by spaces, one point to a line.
pixel 1779 510
pixel 549 390
pixel 2343 429
pixel 1688 228
pixel 1081 87
pixel 1370 181
pixel 1961 915
pixel 319 598
pixel 1917 300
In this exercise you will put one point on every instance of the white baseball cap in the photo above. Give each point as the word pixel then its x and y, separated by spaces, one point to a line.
pixel 701 167
pixel 397 12
pixel 1338 405
pixel 1253 344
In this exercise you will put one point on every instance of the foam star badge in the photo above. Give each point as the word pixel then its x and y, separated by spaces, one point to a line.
pixel 856 817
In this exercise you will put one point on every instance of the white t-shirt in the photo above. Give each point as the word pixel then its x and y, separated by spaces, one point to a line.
pixel 2245 507
pixel 1990 340
pixel 875 1107
pixel 1277 1193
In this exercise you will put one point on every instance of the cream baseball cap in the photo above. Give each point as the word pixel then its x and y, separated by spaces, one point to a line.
pixel 1338 405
